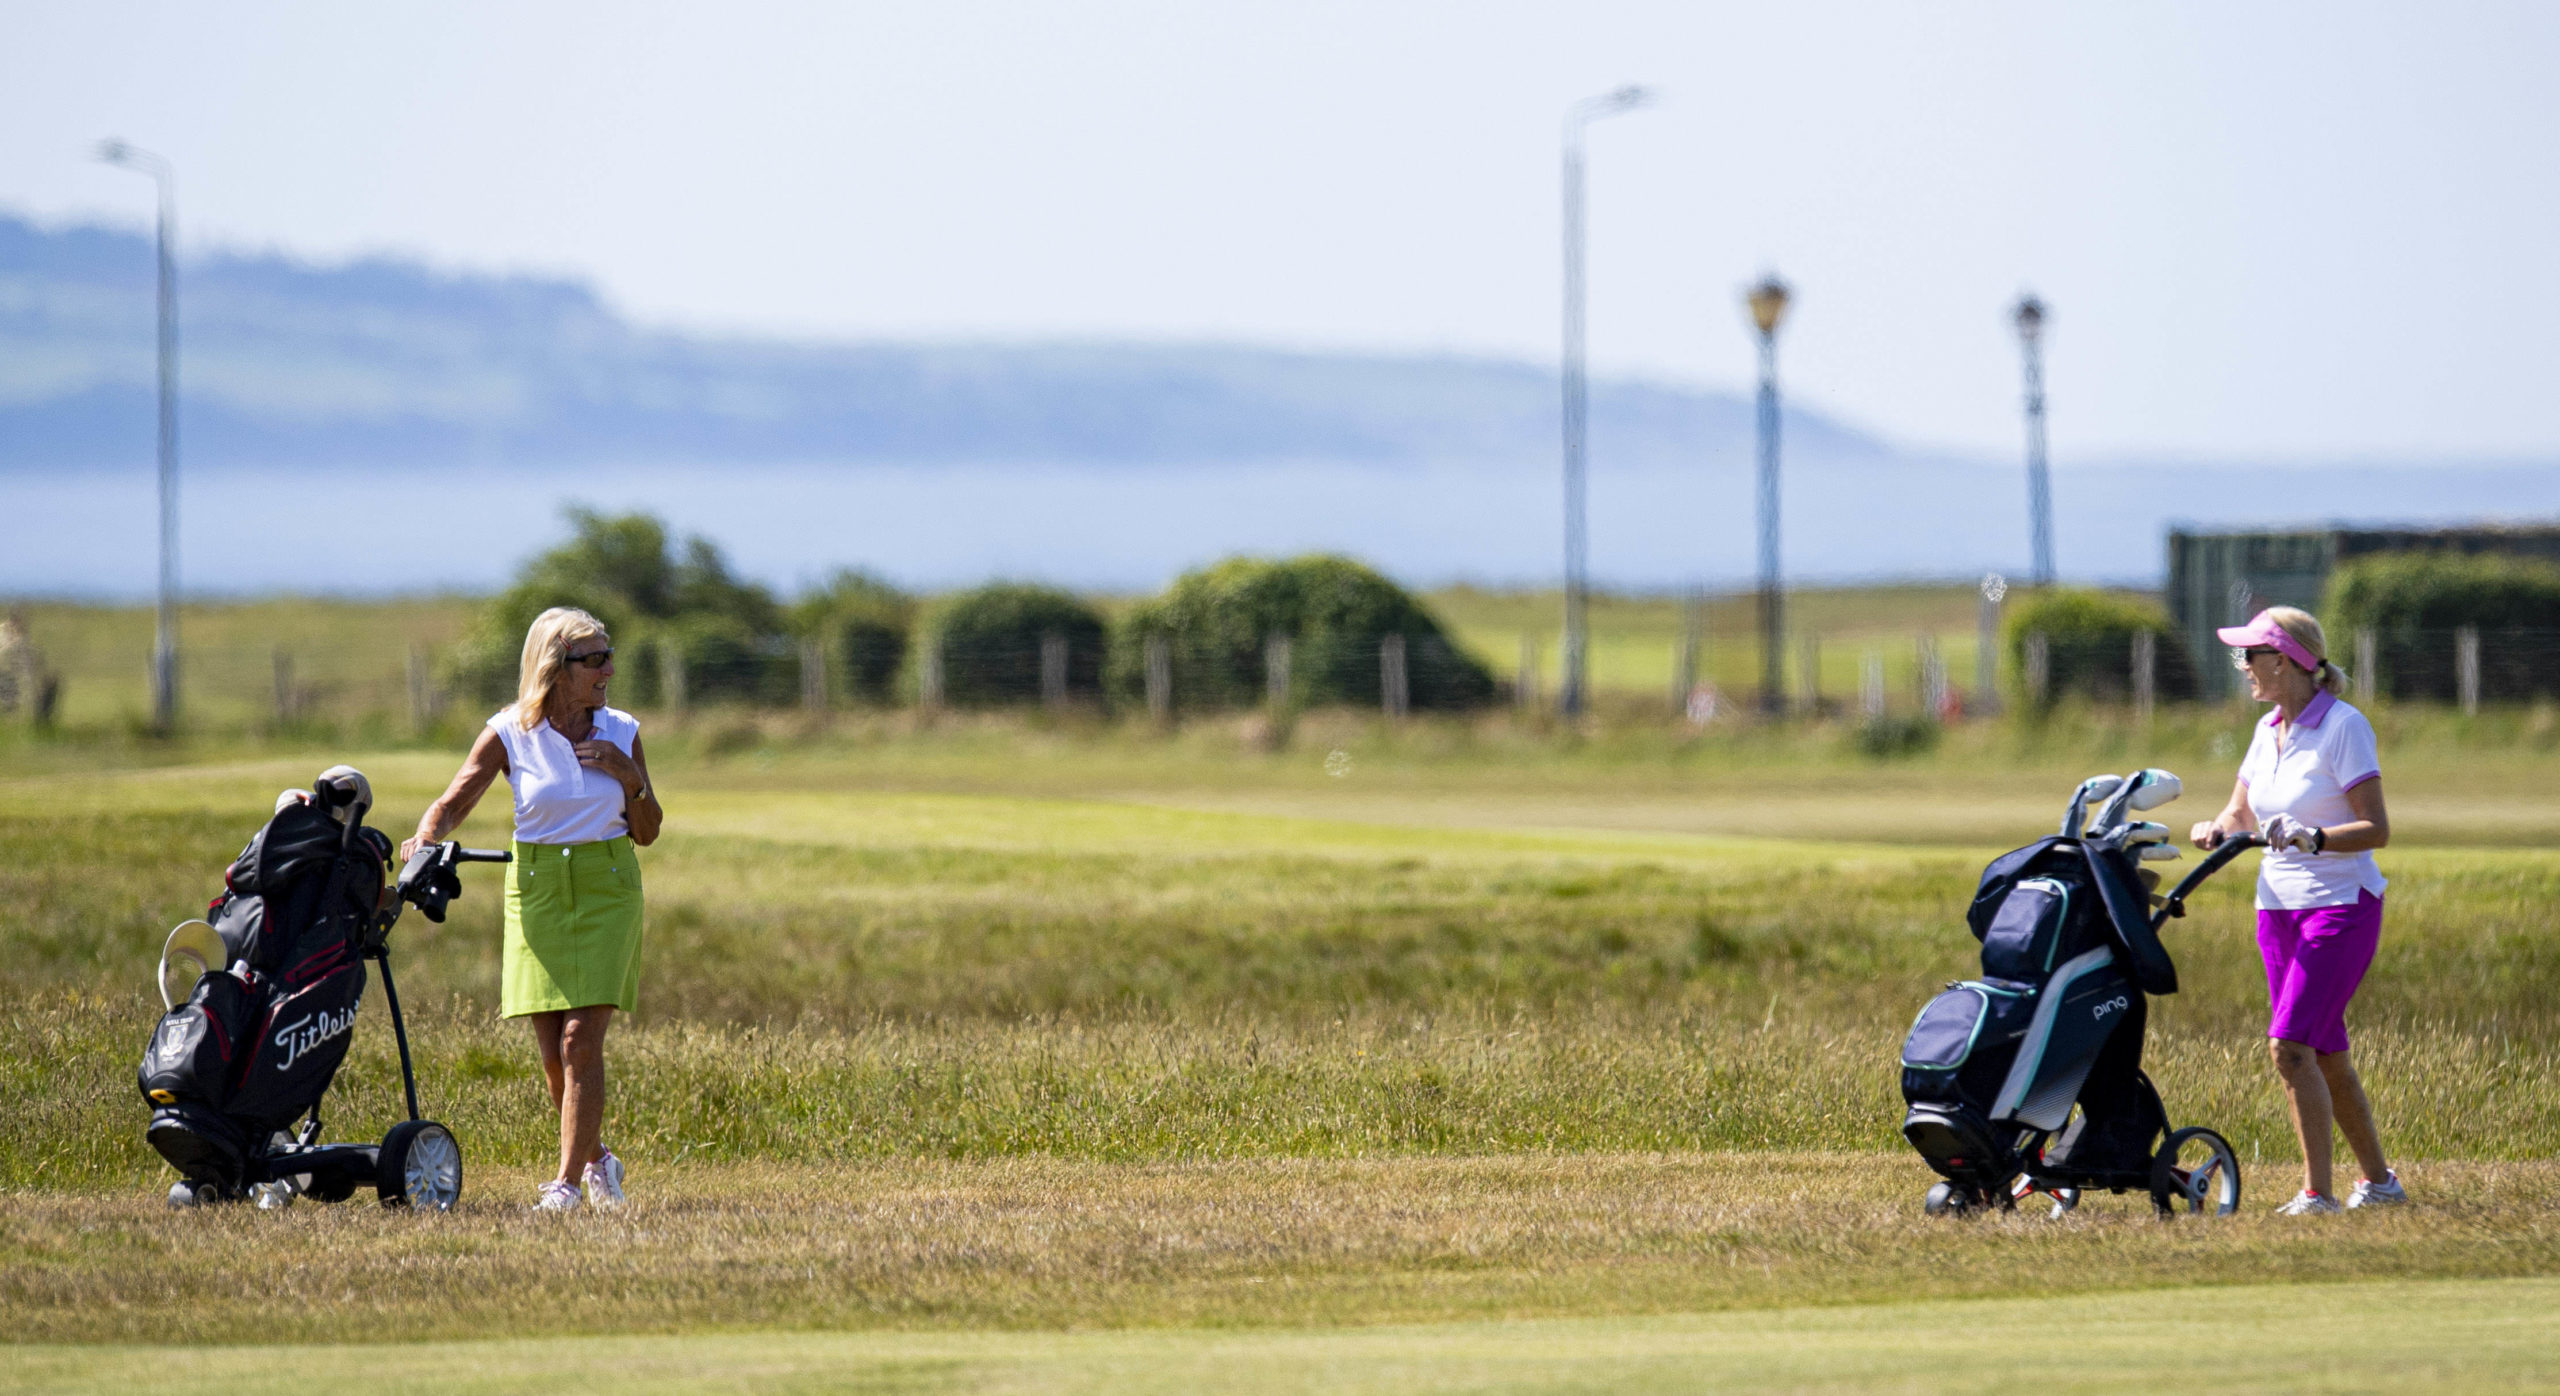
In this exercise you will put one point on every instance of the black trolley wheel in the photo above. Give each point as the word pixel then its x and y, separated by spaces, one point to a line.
pixel 420 1166
pixel 2195 1172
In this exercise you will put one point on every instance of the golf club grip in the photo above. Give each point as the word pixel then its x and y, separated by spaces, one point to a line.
pixel 482 855
pixel 2214 862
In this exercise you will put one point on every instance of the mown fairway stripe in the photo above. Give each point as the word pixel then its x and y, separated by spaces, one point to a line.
pixel 2435 1335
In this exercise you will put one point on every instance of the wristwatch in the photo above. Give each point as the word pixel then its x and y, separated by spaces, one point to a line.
pixel 2319 839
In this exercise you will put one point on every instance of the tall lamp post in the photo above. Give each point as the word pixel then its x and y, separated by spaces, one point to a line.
pixel 1768 302
pixel 1570 693
pixel 2029 317
pixel 164 648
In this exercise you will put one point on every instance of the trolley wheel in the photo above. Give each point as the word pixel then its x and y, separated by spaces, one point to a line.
pixel 420 1166
pixel 2195 1171
pixel 1954 1200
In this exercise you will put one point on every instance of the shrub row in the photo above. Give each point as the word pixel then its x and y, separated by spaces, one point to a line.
pixel 997 644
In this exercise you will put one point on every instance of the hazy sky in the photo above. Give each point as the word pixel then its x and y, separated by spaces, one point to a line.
pixel 2275 231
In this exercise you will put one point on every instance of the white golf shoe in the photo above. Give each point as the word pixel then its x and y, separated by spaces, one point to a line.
pixel 2387 1193
pixel 556 1196
pixel 604 1183
pixel 2307 1203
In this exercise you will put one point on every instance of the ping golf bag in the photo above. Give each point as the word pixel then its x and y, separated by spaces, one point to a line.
pixel 259 1037
pixel 1993 1066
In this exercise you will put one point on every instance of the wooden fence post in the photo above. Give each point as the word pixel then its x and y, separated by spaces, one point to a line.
pixel 813 675
pixel 1524 684
pixel 285 696
pixel 1933 679
pixel 2039 675
pixel 2146 673
pixel 1053 670
pixel 1986 641
pixel 1160 678
pixel 1809 659
pixel 671 673
pixel 2466 668
pixel 2365 680
pixel 1692 651
pixel 1395 694
pixel 421 700
pixel 1871 685
pixel 1275 672
pixel 929 674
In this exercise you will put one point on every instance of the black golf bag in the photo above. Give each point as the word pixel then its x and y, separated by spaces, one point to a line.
pixel 1992 1067
pixel 256 1042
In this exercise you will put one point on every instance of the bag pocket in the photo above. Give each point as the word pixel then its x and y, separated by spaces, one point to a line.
pixel 192 1053
pixel 1968 1021
pixel 2026 932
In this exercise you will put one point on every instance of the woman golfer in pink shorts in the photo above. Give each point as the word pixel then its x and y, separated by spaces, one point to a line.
pixel 2311 785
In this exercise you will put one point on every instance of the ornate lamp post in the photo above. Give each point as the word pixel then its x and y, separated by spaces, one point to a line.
pixel 2029 318
pixel 1570 694
pixel 1768 302
pixel 164 649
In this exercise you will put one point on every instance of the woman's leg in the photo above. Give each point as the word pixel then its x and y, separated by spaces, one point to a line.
pixel 2306 1089
pixel 582 1099
pixel 2355 1114
pixel 546 1040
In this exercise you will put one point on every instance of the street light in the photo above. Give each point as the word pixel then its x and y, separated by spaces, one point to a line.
pixel 164 648
pixel 1768 302
pixel 2029 317
pixel 1570 694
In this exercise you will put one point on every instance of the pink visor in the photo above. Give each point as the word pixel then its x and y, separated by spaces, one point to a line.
pixel 2263 630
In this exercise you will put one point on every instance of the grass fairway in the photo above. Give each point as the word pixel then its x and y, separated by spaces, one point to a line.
pixel 989 1055
pixel 2444 1335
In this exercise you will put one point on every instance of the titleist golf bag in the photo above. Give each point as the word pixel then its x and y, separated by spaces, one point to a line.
pixel 2030 1078
pixel 257 1041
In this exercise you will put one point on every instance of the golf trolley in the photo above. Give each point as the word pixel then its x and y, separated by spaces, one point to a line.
pixel 2029 1080
pixel 262 997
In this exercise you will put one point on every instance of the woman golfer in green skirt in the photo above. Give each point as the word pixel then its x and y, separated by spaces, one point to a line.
pixel 582 801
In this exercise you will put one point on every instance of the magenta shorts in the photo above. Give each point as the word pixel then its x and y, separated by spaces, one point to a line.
pixel 2315 959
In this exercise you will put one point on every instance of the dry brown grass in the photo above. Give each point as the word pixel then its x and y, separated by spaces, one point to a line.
pixel 1035 1243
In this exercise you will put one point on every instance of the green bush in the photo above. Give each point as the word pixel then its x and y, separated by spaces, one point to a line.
pixel 863 623
pixel 623 570
pixel 2414 602
pixel 990 642
pixel 1336 612
pixel 2089 645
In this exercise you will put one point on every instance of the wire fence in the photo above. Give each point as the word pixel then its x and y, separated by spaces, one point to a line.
pixel 389 687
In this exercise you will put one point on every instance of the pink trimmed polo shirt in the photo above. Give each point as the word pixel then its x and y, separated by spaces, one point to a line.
pixel 2306 773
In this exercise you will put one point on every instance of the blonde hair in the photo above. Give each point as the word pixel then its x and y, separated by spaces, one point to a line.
pixel 546 659
pixel 2305 629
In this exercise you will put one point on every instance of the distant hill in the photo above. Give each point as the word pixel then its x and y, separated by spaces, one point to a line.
pixel 389 363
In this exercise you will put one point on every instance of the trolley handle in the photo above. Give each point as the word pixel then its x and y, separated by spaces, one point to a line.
pixel 2232 846
pixel 482 855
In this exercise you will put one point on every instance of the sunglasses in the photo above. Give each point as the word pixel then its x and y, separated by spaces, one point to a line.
pixel 595 660
pixel 2242 659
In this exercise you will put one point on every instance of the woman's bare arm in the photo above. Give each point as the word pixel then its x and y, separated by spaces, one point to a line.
pixel 2370 829
pixel 642 807
pixel 2236 818
pixel 487 762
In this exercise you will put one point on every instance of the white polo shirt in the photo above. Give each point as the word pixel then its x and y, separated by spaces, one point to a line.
pixel 559 801
pixel 2306 772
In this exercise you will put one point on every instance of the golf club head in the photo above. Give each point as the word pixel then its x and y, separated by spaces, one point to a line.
pixel 2138 792
pixel 2075 816
pixel 345 793
pixel 2159 853
pixel 2158 788
pixel 194 950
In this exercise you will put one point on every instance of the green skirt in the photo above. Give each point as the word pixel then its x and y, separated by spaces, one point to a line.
pixel 573 928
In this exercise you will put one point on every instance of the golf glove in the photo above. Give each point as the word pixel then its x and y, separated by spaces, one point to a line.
pixel 2285 831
